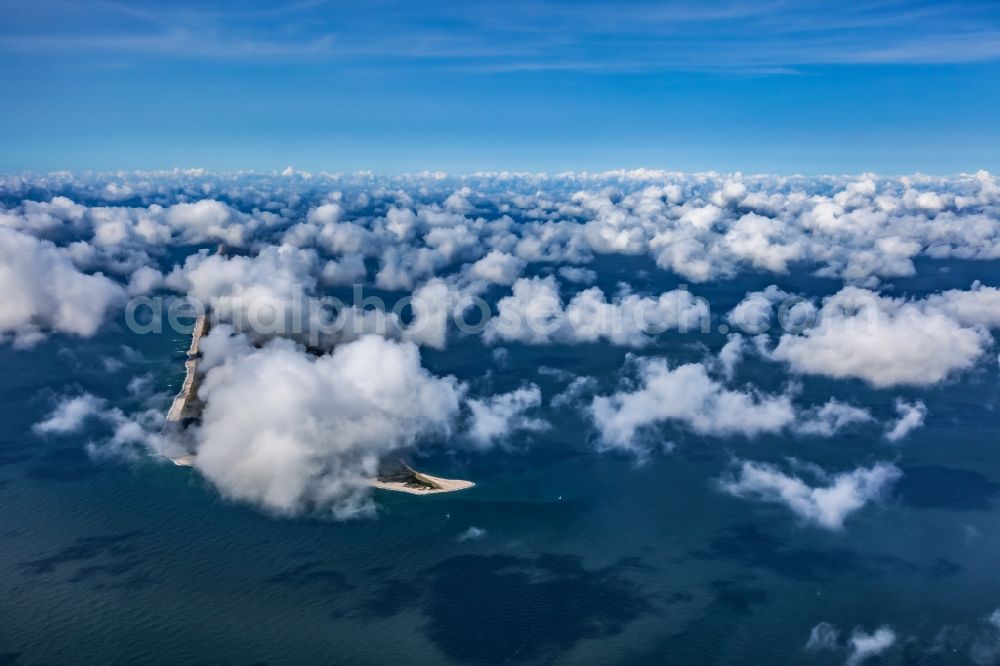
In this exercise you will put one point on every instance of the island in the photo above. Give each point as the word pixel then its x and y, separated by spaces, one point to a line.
pixel 396 475
pixel 186 408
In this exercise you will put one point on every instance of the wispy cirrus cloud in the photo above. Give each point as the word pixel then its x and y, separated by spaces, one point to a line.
pixel 770 37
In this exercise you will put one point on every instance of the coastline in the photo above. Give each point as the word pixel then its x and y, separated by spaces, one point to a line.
pixel 181 407
pixel 429 485
pixel 396 477
pixel 442 485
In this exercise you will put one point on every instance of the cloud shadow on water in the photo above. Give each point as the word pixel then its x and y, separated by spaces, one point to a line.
pixel 311 575
pixel 107 561
pixel 495 609
pixel 750 546
pixel 737 597
pixel 702 640
pixel 937 487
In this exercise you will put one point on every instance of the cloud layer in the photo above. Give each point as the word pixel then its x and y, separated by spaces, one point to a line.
pixel 294 358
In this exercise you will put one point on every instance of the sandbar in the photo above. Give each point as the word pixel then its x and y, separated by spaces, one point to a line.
pixel 440 485
pixel 183 406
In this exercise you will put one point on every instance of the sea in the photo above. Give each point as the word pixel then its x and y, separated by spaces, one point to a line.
pixel 577 556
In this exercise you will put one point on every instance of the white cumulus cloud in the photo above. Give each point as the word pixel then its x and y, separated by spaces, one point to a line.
pixel 294 433
pixel 70 414
pixel 883 341
pixel 686 395
pixel 826 504
pixel 911 417
pixel 535 314
pixel 496 417
pixel 44 291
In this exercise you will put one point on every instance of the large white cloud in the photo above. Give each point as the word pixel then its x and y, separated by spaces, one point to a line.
pixel 863 645
pixel 127 435
pixel 43 291
pixel 755 314
pixel 884 341
pixel 826 504
pixel 686 395
pixel 832 417
pixel 292 433
pixel 70 414
pixel 977 306
pixel 498 267
pixel 274 294
pixel 209 220
pixel 859 646
pixel 349 269
pixel 759 241
pixel 911 417
pixel 495 418
pixel 534 313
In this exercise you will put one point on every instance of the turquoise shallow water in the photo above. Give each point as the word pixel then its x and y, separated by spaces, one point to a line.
pixel 586 558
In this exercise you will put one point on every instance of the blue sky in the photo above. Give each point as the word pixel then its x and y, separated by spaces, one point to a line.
pixel 786 87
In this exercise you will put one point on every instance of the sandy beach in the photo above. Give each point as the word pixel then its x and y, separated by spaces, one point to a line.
pixel 443 486
pixel 439 485
pixel 181 408
pixel 183 461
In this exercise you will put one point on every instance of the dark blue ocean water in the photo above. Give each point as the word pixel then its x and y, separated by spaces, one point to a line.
pixel 586 558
